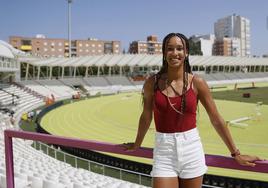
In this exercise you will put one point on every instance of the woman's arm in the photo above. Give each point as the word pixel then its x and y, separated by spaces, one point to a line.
pixel 218 122
pixel 146 115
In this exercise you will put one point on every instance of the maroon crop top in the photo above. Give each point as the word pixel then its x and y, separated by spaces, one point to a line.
pixel 167 120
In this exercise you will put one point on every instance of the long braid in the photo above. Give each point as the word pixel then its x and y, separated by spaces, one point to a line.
pixel 184 89
pixel 186 69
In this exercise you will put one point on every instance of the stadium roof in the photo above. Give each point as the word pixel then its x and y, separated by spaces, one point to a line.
pixel 6 50
pixel 141 60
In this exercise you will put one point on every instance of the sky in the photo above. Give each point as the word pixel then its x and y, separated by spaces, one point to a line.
pixel 129 20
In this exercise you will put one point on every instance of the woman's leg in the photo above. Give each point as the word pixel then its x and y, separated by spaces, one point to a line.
pixel 191 183
pixel 165 182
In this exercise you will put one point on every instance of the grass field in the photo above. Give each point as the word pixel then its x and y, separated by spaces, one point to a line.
pixel 115 118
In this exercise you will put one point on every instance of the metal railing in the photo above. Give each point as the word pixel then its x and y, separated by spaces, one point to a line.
pixel 91 165
pixel 211 160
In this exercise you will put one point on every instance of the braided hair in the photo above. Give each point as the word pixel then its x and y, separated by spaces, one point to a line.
pixel 186 65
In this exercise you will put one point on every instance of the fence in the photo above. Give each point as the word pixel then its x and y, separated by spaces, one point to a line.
pixel 211 160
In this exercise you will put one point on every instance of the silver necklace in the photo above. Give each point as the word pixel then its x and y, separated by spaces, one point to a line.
pixel 172 105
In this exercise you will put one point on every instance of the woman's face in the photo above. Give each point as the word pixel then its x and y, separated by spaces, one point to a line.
pixel 175 52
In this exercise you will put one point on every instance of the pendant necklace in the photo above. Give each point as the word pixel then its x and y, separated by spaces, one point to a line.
pixel 172 105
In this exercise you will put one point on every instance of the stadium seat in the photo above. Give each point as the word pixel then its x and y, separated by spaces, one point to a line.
pixel 2 181
pixel 51 184
pixel 2 170
pixel 19 183
pixel 78 186
pixel 124 185
pixel 36 182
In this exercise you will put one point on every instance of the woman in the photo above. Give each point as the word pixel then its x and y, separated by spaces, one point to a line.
pixel 172 96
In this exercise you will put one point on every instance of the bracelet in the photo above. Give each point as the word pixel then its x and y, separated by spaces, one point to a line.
pixel 236 153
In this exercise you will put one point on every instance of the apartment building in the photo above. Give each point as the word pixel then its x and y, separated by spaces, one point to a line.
pixel 150 46
pixel 48 47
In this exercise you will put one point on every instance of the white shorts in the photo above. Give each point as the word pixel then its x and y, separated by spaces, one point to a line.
pixel 178 155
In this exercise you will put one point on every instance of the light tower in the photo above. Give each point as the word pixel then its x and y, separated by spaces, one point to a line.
pixel 267 22
pixel 69 27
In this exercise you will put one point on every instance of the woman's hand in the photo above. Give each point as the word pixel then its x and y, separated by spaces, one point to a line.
pixel 130 146
pixel 246 160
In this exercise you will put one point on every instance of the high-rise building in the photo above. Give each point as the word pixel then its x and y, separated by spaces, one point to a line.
pixel 151 46
pixel 234 27
pixel 47 47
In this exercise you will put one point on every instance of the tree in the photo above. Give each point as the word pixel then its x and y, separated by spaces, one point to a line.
pixel 195 47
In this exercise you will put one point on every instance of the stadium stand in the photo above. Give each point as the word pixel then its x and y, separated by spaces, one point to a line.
pixel 97 81
pixel 47 87
pixel 18 100
pixel 64 88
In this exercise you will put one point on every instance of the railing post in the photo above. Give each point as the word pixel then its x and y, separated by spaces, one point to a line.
pixel 9 161
pixel 75 162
